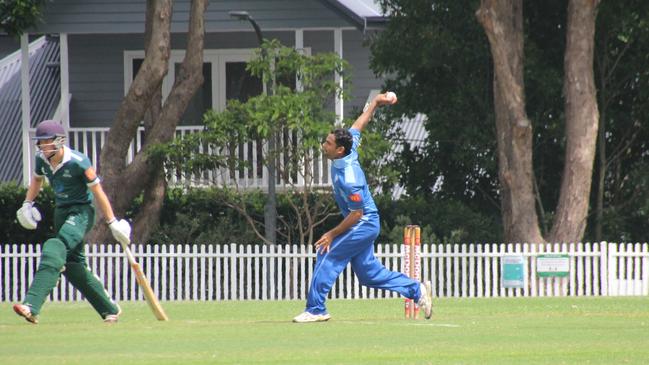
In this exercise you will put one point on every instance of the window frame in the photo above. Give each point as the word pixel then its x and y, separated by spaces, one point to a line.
pixel 216 57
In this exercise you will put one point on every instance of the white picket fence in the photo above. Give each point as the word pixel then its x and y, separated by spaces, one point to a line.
pixel 260 272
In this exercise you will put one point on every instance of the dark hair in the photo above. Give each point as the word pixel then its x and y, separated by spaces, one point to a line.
pixel 343 139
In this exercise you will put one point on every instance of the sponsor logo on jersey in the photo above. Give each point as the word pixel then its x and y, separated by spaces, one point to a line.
pixel 66 173
pixel 355 197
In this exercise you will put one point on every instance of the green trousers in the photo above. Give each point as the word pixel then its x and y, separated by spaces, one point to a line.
pixel 64 253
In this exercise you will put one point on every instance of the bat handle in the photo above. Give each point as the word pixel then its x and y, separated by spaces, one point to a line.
pixel 127 251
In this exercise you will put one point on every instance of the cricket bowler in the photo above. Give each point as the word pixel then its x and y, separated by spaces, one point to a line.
pixel 353 238
pixel 72 178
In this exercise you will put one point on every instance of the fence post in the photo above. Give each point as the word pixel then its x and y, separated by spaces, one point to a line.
pixel 603 268
pixel 472 290
pixel 645 269
pixel 612 269
pixel 434 277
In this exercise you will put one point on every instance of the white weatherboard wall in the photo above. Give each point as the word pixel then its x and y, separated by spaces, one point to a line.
pixel 260 272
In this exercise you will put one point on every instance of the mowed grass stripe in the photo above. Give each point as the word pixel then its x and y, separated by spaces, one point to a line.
pixel 462 331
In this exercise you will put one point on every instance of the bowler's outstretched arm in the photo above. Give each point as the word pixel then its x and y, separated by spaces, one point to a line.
pixel 368 112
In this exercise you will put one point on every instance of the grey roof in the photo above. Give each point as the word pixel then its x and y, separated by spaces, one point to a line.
pixel 45 91
pixel 364 13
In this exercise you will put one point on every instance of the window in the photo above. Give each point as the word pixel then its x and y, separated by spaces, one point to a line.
pixel 240 85
pixel 202 99
pixel 224 72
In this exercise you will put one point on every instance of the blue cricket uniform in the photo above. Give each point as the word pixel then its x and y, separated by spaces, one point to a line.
pixel 356 244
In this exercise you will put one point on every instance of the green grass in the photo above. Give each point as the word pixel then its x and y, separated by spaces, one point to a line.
pixel 462 331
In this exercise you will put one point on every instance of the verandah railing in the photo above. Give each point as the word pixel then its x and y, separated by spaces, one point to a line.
pixel 260 272
pixel 253 175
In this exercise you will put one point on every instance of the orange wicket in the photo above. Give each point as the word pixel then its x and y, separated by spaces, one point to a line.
pixel 411 264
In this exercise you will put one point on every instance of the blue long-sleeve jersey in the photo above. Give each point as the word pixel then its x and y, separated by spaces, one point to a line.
pixel 349 184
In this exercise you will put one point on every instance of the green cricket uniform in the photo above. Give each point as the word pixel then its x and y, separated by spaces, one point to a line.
pixel 74 216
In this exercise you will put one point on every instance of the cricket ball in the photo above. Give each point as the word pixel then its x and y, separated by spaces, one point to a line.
pixel 392 97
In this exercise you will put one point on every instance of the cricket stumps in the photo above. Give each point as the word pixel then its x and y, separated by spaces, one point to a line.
pixel 411 263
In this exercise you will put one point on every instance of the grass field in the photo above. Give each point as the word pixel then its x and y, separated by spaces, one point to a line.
pixel 462 331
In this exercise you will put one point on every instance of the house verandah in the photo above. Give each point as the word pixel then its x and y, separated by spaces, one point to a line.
pixel 98 58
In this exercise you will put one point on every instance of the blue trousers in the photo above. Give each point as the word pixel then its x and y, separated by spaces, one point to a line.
pixel 356 245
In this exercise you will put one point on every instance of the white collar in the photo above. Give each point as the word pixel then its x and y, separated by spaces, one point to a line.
pixel 67 155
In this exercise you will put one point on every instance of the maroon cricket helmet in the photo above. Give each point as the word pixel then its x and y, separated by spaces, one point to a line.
pixel 49 129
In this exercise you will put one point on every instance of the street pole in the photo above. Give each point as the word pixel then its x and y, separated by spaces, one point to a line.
pixel 270 209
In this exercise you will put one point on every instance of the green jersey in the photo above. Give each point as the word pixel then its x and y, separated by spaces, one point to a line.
pixel 70 179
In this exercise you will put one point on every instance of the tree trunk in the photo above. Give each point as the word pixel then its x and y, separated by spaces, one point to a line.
pixel 503 24
pixel 147 219
pixel 146 84
pixel 582 118
pixel 137 100
pixel 123 184
pixel 601 176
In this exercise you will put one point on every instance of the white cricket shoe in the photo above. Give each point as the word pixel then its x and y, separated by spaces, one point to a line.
pixel 426 299
pixel 113 318
pixel 307 317
pixel 25 312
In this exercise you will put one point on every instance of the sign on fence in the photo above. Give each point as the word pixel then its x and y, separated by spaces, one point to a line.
pixel 513 268
pixel 549 265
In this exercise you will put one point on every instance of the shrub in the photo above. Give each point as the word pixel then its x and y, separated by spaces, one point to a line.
pixel 12 196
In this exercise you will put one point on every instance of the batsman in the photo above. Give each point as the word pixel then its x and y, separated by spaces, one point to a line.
pixel 73 179
pixel 353 238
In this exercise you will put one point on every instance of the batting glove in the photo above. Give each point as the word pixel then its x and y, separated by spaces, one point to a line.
pixel 121 230
pixel 28 216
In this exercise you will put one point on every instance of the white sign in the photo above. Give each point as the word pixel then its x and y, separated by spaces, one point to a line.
pixel 552 265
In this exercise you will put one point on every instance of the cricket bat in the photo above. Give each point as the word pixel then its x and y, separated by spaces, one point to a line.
pixel 150 297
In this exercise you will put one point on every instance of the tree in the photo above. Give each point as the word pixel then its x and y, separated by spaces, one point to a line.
pixel 16 16
pixel 143 102
pixel 434 53
pixel 622 40
pixel 298 117
pixel 503 24
pixel 436 58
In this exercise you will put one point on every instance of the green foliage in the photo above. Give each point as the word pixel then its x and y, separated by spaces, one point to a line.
pixel 441 221
pixel 12 196
pixel 622 76
pixel 16 16
pixel 296 119
pixel 627 211
pixel 197 216
pixel 274 62
pixel 206 215
pixel 285 110
pixel 377 146
pixel 436 57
